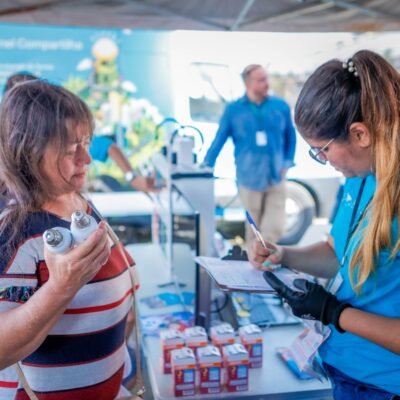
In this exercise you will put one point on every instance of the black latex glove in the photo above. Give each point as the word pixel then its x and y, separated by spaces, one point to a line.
pixel 312 301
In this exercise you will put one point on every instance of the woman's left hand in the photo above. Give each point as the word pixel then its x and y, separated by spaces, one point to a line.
pixel 311 301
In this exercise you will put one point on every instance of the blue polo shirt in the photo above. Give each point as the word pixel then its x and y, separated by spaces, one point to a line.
pixel 257 166
pixel 355 356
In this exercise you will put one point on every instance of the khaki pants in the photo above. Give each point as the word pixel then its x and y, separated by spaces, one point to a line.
pixel 267 210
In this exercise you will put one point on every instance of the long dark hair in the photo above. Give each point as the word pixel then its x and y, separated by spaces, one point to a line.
pixel 367 90
pixel 329 102
pixel 33 114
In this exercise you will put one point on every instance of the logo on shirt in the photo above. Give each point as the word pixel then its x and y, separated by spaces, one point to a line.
pixel 348 200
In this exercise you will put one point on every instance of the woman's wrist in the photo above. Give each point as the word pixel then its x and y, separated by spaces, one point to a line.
pixel 62 292
pixel 344 317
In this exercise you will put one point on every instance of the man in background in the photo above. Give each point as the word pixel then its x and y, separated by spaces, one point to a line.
pixel 262 131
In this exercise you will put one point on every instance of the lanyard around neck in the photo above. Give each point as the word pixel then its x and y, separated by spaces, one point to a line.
pixel 353 222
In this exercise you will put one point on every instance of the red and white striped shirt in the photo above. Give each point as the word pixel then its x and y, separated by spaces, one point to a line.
pixel 84 354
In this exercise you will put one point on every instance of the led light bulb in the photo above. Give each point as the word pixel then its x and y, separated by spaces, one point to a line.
pixel 58 239
pixel 82 225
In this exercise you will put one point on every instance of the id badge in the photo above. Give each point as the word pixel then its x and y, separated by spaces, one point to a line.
pixel 261 138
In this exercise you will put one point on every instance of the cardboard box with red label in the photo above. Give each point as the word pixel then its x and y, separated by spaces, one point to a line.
pixel 195 337
pixel 236 363
pixel 209 361
pixel 171 339
pixel 222 334
pixel 252 340
pixel 184 372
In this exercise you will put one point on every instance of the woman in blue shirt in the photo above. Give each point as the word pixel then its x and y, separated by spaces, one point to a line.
pixel 349 113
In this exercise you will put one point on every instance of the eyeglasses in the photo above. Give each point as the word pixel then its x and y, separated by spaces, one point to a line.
pixel 317 153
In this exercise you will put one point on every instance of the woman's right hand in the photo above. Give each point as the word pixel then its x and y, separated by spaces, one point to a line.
pixel 68 272
pixel 263 258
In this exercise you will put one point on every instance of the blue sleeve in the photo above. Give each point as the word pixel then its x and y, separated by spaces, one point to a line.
pixel 221 136
pixel 99 148
pixel 290 140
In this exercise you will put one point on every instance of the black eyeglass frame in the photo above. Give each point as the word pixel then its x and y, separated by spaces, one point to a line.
pixel 314 152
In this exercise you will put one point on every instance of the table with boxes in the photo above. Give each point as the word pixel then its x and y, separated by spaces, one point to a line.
pixel 221 363
pixel 245 365
pixel 198 366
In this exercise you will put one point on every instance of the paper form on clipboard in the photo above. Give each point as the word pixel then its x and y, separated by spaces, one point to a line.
pixel 233 275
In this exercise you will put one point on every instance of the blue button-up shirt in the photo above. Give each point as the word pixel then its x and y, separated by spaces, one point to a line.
pixel 257 167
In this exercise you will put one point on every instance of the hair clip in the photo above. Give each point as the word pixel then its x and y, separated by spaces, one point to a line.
pixel 349 65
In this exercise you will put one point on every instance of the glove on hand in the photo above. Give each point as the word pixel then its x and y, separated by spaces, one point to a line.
pixel 311 302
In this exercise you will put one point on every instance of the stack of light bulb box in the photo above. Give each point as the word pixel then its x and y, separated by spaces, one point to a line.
pixel 198 366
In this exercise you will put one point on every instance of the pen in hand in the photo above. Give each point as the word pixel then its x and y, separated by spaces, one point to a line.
pixel 260 239
pixel 256 231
